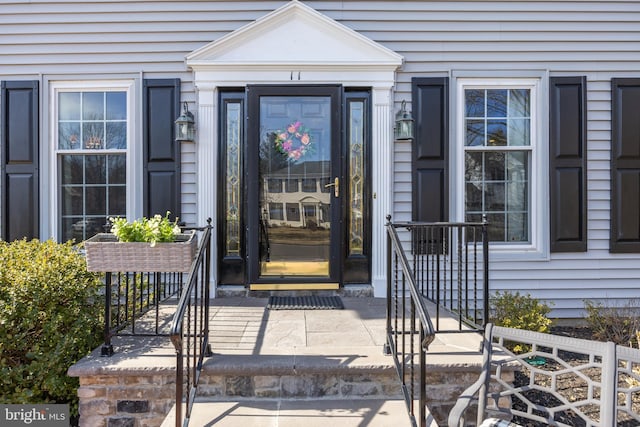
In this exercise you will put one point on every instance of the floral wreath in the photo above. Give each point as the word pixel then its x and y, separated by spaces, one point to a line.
pixel 294 142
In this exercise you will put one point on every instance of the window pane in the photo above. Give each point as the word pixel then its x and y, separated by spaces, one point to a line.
pixel 72 170
pixel 497 103
pixel 518 166
pixel 116 169
pixel 96 169
pixel 519 133
pixel 517 227
pixel 70 232
pixel 474 102
pixel 116 135
pixel 69 135
pixel 473 202
pixel 96 200
pixel 494 166
pixel 496 227
pixel 117 201
pixel 475 133
pixel 93 135
pixel 494 197
pixel 93 106
pixel 496 133
pixel 519 103
pixel 517 196
pixel 72 201
pixel 473 166
pixel 69 106
pixel 116 106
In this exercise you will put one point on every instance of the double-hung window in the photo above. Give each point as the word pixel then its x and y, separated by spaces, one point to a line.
pixel 498 154
pixel 92 137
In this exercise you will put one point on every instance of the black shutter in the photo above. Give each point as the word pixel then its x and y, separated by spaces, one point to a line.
pixel 430 104
pixel 568 164
pixel 161 189
pixel 19 160
pixel 625 165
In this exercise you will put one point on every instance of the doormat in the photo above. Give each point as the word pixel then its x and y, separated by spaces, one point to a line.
pixel 305 303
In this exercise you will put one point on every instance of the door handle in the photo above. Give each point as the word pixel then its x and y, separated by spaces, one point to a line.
pixel 336 186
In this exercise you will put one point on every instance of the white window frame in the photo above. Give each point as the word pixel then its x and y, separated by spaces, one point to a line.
pixel 133 151
pixel 537 247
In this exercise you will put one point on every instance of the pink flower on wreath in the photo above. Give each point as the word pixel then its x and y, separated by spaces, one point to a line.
pixel 294 142
pixel 293 127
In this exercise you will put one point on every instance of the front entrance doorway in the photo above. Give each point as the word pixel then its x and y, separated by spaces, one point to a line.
pixel 294 211
pixel 294 195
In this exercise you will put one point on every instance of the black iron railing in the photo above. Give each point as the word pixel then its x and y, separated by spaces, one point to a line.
pixel 190 329
pixel 431 268
pixel 133 304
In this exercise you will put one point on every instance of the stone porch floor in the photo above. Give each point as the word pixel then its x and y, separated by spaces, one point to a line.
pixel 282 351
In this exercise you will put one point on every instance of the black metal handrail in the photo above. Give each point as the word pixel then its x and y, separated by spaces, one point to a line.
pixel 401 285
pixel 442 263
pixel 190 329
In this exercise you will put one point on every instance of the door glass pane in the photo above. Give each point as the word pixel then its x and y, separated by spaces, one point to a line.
pixel 356 177
pixel 295 152
pixel 232 132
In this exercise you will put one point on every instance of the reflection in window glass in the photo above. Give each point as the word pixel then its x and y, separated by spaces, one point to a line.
pixel 291 185
pixel 293 212
pixel 274 185
pixel 276 212
pixel 91 144
pixel 309 185
pixel 497 161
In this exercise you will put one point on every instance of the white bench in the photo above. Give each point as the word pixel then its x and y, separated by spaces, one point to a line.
pixel 559 382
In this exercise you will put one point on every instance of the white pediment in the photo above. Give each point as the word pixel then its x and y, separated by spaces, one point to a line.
pixel 294 36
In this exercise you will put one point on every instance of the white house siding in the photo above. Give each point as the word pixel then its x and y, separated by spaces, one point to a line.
pixel 149 39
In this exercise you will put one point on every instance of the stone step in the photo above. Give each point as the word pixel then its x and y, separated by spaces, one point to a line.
pixel 296 413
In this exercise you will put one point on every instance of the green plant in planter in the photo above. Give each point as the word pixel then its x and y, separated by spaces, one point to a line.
pixel 150 230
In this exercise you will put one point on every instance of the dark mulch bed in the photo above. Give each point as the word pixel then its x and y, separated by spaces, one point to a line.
pixel 571 386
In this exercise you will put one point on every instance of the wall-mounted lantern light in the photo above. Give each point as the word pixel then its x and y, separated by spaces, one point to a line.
pixel 404 124
pixel 185 126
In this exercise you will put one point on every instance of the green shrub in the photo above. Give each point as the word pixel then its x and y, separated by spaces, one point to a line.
pixel 513 310
pixel 50 317
pixel 619 324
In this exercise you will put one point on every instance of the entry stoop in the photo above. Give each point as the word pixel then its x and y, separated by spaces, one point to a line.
pixel 302 367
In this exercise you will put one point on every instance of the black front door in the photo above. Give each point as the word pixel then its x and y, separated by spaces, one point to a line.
pixel 294 185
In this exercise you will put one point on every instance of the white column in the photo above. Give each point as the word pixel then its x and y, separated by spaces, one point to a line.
pixel 206 164
pixel 382 184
